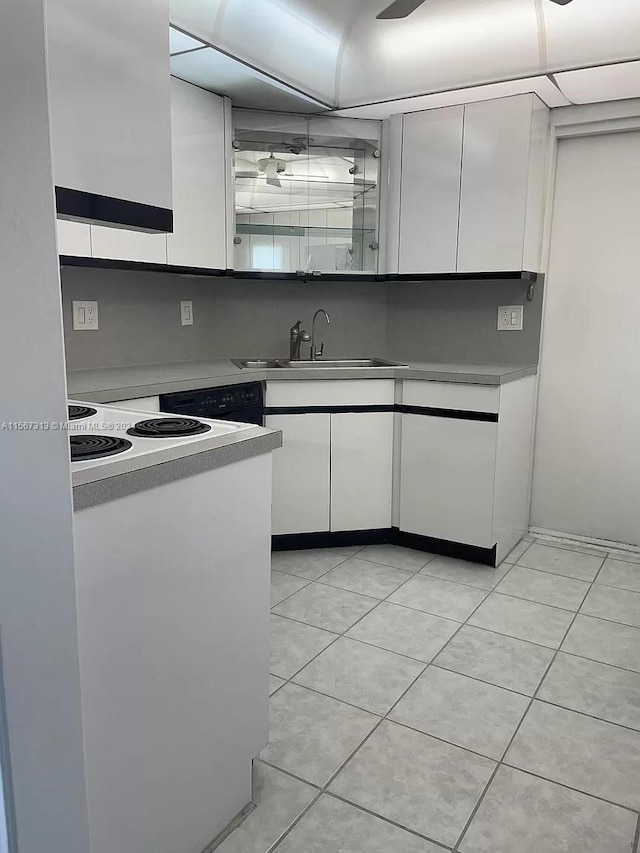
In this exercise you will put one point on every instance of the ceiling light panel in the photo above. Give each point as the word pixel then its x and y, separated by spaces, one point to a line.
pixel 606 83
pixel 295 40
pixel 219 73
pixel 179 41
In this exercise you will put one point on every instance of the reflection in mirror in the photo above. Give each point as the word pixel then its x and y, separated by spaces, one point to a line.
pixel 306 193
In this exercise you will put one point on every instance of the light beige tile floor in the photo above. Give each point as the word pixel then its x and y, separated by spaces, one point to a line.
pixel 423 704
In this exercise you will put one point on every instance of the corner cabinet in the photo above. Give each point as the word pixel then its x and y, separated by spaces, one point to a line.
pixel 465 464
pixel 472 186
pixel 201 125
pixel 334 470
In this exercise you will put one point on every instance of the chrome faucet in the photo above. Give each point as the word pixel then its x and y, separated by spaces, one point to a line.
pixel 317 353
pixel 296 337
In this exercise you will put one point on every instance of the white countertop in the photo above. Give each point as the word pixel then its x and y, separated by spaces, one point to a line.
pixel 110 384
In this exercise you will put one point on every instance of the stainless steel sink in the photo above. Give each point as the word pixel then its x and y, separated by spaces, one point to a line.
pixel 319 363
pixel 324 363
pixel 256 363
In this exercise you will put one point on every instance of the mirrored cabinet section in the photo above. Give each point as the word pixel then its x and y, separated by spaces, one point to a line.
pixel 471 188
pixel 306 193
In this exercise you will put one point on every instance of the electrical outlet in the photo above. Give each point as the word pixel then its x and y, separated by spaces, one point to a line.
pixel 510 318
pixel 85 315
pixel 186 313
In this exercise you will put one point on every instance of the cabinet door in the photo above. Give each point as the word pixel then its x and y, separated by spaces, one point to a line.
pixel 447 479
pixel 108 64
pixel 301 473
pixel 122 245
pixel 495 184
pixel 430 190
pixel 361 470
pixel 199 178
pixel 74 238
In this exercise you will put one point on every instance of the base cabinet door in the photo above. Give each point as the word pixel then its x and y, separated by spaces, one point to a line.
pixel 447 478
pixel 301 470
pixel 361 470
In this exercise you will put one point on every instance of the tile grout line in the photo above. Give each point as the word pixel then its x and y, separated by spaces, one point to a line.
pixel 570 788
pixel 361 743
pixel 387 820
pixel 343 634
pixel 636 840
pixel 433 662
pixel 534 697
pixel 337 637
pixel 294 822
pixel 500 763
pixel 585 550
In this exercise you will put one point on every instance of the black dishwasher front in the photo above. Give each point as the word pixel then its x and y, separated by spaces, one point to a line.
pixel 243 403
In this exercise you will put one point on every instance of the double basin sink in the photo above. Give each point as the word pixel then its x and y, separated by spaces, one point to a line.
pixel 320 363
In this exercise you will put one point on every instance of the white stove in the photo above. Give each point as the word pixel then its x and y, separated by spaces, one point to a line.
pixel 106 441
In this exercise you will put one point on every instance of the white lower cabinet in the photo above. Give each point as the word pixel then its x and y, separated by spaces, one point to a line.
pixel 361 470
pixel 301 485
pixel 333 472
pixel 454 465
pixel 447 478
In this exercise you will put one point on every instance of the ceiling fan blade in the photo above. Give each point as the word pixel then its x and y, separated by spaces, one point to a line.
pixel 400 9
pixel 274 182
pixel 561 2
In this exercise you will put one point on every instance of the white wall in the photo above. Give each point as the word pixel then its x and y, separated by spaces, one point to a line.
pixel 37 593
pixel 587 451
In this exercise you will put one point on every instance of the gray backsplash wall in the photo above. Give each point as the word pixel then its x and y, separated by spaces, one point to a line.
pixel 457 321
pixel 139 317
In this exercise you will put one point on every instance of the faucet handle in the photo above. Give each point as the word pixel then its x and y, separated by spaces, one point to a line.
pixel 296 327
pixel 320 352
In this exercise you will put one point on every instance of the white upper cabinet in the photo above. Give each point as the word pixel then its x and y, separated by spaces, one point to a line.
pixel 503 179
pixel 74 239
pixel 110 106
pixel 202 194
pixel 121 244
pixel 430 190
pixel 201 177
pixel 472 188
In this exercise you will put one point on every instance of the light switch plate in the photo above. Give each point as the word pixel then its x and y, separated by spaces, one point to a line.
pixel 510 318
pixel 186 313
pixel 85 315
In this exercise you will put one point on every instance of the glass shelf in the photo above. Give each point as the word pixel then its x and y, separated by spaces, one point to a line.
pixel 306 193
pixel 301 230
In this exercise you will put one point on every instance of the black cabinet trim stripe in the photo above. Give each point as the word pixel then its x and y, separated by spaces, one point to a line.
pixel 102 209
pixel 136 266
pixel 332 410
pixel 143 266
pixel 456 414
pixel 382 536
